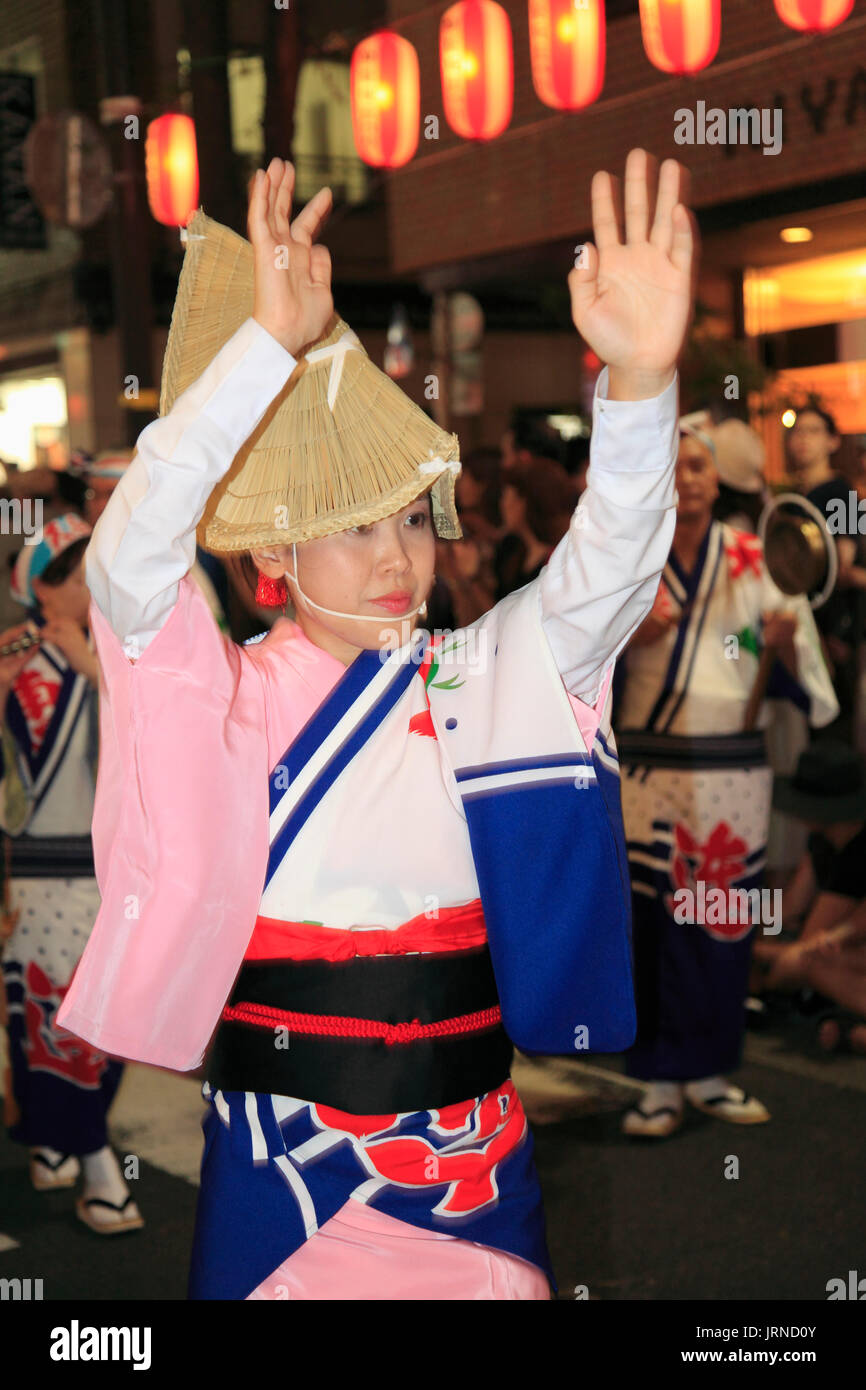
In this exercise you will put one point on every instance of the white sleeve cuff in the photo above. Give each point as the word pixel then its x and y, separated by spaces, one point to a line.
pixel 634 447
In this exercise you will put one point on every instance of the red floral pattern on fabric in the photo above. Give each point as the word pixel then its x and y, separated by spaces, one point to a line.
pixel 496 1124
pixel 38 694
pixel 423 723
pixel 716 863
pixel 721 856
pixel 50 1048
pixel 744 553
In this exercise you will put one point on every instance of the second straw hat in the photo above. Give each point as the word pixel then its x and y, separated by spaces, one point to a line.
pixel 340 446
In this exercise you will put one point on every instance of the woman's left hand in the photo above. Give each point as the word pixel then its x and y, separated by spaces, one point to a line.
pixel 632 299
pixel 67 634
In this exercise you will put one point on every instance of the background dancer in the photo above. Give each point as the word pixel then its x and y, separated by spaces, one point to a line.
pixel 696 795
pixel 59 1088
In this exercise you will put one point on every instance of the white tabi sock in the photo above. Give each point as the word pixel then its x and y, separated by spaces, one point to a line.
pixel 708 1088
pixel 661 1093
pixel 102 1176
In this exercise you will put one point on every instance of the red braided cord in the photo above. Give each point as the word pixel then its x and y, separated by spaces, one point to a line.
pixel 331 1025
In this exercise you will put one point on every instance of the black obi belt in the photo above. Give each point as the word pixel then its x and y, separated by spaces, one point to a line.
pixel 370 1036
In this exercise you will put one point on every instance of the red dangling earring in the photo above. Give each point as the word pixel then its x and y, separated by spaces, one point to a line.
pixel 271 593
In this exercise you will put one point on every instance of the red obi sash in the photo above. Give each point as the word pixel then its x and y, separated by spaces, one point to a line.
pixel 453 929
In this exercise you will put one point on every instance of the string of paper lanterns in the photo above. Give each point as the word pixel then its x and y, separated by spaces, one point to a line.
pixel 567 49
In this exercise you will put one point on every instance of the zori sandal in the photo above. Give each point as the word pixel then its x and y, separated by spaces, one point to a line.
pixel 652 1124
pixel 109 1218
pixel 48 1173
pixel 732 1105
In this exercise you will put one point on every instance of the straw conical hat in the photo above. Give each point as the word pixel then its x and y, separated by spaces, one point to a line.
pixel 341 445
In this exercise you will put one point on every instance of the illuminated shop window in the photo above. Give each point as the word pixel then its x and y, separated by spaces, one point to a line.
pixel 33 419
pixel 324 146
pixel 826 289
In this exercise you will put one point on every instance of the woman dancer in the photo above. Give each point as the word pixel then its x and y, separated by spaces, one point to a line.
pixel 447 808
pixel 61 1088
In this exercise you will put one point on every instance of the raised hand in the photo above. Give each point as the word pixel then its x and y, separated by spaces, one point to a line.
pixel 631 300
pixel 292 274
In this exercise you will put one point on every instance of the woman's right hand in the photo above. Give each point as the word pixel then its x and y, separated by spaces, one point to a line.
pixel 292 275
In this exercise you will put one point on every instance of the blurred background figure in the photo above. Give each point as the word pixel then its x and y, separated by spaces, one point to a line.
pixel 101 476
pixel 813 450
pixel 42 485
pixel 477 491
pixel 813 440
pixel 536 505
pixel 464 585
pixel 463 590
pixel 696 791
pixel 58 1088
pixel 740 464
pixel 820 964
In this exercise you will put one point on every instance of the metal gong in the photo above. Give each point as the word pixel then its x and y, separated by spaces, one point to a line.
pixel 799 552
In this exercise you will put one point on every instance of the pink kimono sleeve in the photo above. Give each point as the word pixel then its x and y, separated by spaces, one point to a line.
pixel 180 838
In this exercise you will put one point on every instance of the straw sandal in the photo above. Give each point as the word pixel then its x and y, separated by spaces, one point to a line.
pixel 652 1124
pixel 47 1175
pixel 108 1218
pixel 732 1105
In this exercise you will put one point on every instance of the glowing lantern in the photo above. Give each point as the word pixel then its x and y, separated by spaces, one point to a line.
pixel 386 101
pixel 814 16
pixel 680 35
pixel 477 68
pixel 171 163
pixel 567 46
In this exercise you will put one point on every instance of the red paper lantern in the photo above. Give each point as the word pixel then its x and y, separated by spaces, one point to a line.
pixel 566 42
pixel 680 35
pixel 477 68
pixel 813 16
pixel 171 163
pixel 386 100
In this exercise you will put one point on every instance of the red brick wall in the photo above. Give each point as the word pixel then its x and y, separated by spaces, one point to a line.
pixel 457 200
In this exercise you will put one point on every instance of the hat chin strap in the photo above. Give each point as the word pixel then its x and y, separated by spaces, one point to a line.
pixel 334 612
